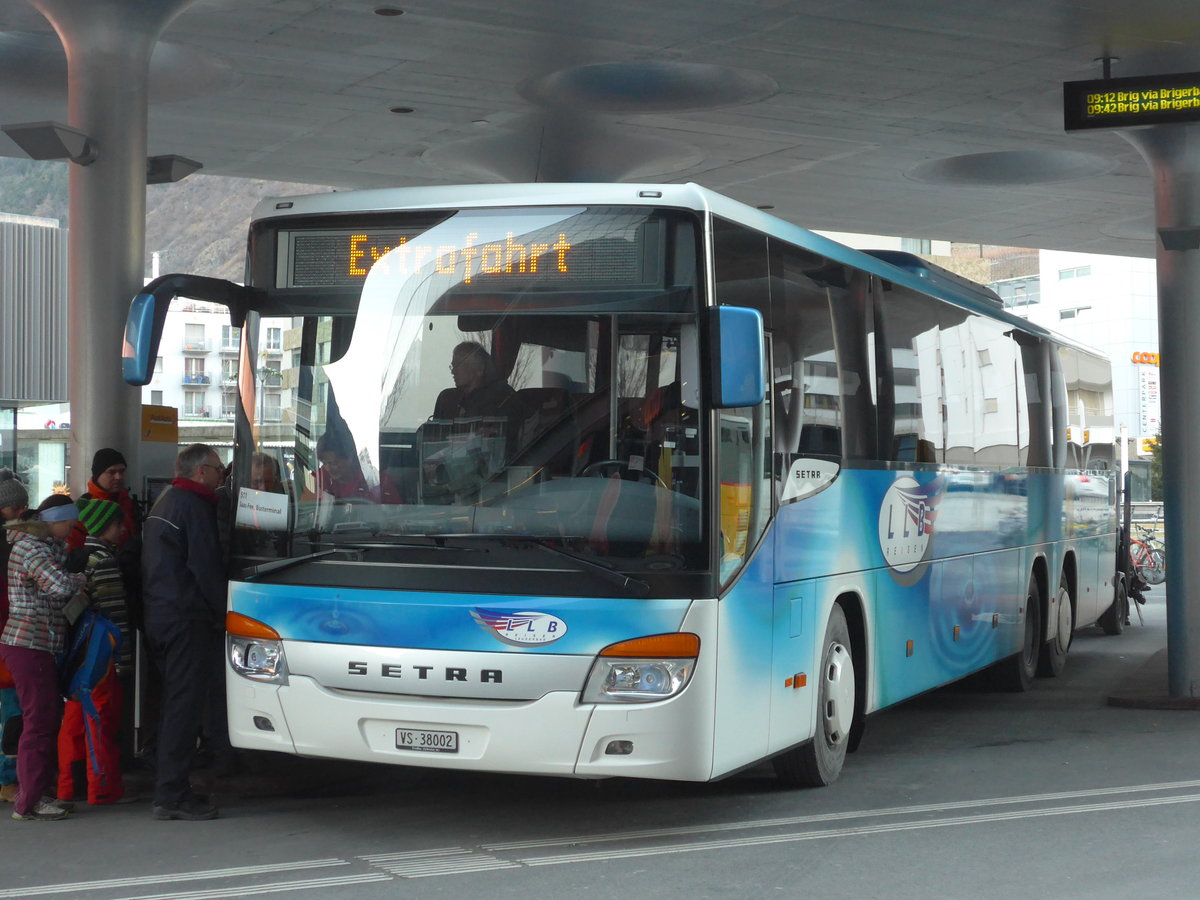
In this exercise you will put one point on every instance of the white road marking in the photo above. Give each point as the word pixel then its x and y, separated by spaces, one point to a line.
pixel 838 816
pixel 795 837
pixel 446 861
pixel 275 887
pixel 109 883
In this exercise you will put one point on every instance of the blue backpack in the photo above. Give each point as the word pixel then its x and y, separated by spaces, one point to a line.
pixel 95 641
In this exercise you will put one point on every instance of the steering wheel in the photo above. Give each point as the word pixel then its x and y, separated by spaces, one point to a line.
pixel 606 467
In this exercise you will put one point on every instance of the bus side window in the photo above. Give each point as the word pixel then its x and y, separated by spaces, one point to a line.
pixel 806 385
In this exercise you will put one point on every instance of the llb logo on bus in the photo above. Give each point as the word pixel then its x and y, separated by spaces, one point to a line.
pixel 906 518
pixel 520 627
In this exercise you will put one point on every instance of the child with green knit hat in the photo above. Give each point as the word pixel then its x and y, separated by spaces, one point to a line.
pixel 105 524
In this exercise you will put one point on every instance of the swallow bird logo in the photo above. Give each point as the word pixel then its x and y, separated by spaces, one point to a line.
pixel 906 523
pixel 520 628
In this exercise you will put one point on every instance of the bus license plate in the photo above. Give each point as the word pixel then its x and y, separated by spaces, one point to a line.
pixel 429 741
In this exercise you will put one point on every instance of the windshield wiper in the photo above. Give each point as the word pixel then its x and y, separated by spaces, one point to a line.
pixel 634 586
pixel 279 564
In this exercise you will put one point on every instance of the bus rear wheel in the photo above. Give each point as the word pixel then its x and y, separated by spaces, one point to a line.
pixel 1054 652
pixel 1016 673
pixel 1114 619
pixel 819 762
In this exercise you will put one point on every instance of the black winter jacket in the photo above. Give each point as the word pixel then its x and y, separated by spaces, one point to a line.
pixel 183 571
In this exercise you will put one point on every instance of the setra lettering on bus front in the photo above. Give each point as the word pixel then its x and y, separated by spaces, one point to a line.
pixel 422 673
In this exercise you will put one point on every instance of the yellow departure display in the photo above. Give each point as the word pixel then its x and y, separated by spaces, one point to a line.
pixel 412 257
pixel 1130 102
pixel 328 258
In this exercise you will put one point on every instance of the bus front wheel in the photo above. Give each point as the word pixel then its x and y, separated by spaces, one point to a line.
pixel 819 762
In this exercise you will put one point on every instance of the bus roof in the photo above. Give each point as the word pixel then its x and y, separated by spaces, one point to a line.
pixel 902 269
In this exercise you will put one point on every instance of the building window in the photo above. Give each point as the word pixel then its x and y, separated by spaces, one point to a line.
pixel 158 365
pixel 228 404
pixel 1075 272
pixel 193 403
pixel 916 245
pixel 271 407
pixel 1015 292
pixel 193 336
pixel 156 398
pixel 230 337
pixel 1072 312
pixel 274 338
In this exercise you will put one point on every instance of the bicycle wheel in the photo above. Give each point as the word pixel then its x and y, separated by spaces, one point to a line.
pixel 1150 566
pixel 1155 571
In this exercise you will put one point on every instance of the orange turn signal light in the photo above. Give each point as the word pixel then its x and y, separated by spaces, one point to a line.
pixel 679 645
pixel 244 626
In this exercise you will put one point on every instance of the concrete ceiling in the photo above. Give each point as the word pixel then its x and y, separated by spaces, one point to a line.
pixel 926 119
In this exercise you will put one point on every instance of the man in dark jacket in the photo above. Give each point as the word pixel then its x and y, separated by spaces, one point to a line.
pixel 184 602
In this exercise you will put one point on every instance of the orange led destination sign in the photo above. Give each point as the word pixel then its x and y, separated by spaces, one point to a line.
pixel 342 258
pixel 1130 102
pixel 507 257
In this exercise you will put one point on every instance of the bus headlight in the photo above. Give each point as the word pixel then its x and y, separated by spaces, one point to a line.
pixel 257 659
pixel 643 669
pixel 255 650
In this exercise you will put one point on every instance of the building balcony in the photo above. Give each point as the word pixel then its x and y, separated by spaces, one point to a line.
pixel 197 381
pixel 229 348
pixel 199 345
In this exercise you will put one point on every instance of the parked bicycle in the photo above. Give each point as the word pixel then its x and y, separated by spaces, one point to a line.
pixel 1148 553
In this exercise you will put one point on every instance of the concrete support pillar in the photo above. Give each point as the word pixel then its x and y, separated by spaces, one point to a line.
pixel 108 45
pixel 1173 154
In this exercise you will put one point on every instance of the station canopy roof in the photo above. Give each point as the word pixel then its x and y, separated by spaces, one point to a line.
pixel 923 119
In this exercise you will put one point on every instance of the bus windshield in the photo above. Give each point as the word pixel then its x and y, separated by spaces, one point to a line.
pixel 522 377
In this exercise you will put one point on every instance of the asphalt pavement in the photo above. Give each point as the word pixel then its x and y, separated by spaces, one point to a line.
pixel 960 793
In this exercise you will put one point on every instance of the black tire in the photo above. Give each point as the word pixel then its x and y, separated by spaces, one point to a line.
pixel 1116 617
pixel 1053 658
pixel 1156 571
pixel 1016 673
pixel 819 762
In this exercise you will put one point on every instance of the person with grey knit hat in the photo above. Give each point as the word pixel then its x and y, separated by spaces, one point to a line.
pixel 13 497
pixel 39 588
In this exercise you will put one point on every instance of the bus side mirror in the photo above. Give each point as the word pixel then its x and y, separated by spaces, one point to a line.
pixel 737 357
pixel 148 314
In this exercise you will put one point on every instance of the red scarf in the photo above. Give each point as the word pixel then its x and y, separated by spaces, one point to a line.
pixel 196 488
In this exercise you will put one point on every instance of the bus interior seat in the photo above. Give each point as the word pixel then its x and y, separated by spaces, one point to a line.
pixel 547 411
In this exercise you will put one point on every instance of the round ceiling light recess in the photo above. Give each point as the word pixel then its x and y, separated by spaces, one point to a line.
pixel 647 87
pixel 1006 168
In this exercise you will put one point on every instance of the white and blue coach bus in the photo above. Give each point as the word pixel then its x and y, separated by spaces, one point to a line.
pixel 713 490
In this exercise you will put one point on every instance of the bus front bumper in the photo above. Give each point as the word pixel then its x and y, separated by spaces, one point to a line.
pixel 554 735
